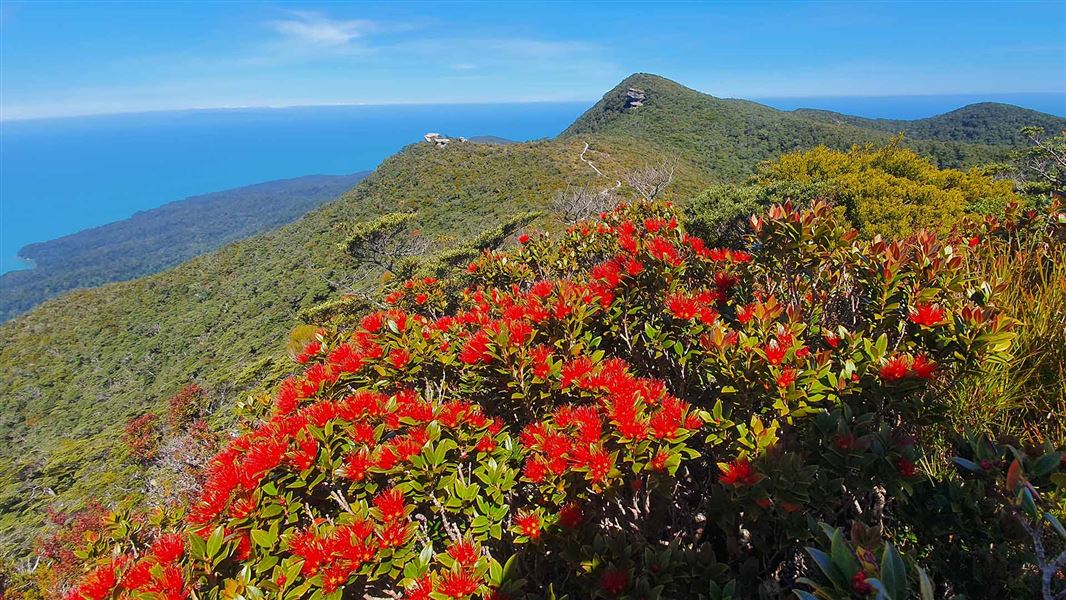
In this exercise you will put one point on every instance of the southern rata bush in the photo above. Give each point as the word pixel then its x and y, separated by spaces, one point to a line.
pixel 619 411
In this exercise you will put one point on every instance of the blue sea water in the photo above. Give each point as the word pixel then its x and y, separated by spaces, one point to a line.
pixel 59 176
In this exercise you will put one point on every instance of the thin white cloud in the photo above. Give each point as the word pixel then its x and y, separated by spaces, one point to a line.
pixel 317 29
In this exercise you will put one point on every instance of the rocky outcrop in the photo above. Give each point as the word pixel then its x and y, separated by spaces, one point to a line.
pixel 635 98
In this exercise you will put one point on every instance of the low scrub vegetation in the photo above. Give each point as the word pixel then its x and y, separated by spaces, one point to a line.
pixel 628 410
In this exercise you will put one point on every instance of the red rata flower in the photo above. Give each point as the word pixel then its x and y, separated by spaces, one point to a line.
pixel 244 546
pixel 663 250
pixel 614 581
pixel 528 524
pixel 738 473
pixel 373 322
pixel 832 339
pixel 457 584
pixel 542 289
pixel 168 547
pixel 463 552
pixel 523 239
pixel 786 378
pixel 399 358
pixel 634 267
pixel 894 369
pixel 575 370
pixel 390 503
pixel 570 516
pixel 600 464
pixel 775 352
pixel 534 470
pixel 681 306
pixel 421 589
pixel 335 577
pixel 356 466
pixel 724 280
pixel 305 455
pixel 394 534
pixel 658 462
pixel 922 367
pixel 745 313
pixel 139 576
pixel 906 468
pixel 476 349
pixel 310 350
pixel 927 314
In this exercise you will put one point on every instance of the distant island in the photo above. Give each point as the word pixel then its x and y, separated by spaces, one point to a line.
pixel 153 240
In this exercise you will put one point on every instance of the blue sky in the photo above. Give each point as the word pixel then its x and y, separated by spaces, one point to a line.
pixel 70 58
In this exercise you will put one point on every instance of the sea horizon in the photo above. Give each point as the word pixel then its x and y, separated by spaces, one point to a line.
pixel 902 106
pixel 66 174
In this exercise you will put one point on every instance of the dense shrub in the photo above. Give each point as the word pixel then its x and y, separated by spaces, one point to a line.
pixel 620 411
pixel 142 436
pixel 887 190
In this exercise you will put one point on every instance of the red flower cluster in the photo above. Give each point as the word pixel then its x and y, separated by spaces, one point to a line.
pixel 927 315
pixel 343 550
pixel 537 340
pixel 900 366
pixel 739 473
pixel 157 572
pixel 588 438
pixel 696 305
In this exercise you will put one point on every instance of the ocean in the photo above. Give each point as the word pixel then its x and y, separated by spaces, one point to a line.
pixel 59 176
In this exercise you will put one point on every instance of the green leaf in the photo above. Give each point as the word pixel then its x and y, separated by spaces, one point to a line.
pixel 893 573
pixel 650 331
pixel 1025 501
pixel 1046 464
pixel 214 543
pixel 262 538
pixel 969 465
pixel 197 547
pixel 822 560
pixel 842 556
pixel 508 568
pixel 1055 524
pixel 925 584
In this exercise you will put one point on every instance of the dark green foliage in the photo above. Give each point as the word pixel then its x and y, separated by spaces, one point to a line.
pixel 383 241
pixel 721 211
pixel 983 123
pixel 157 239
pixel 490 239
